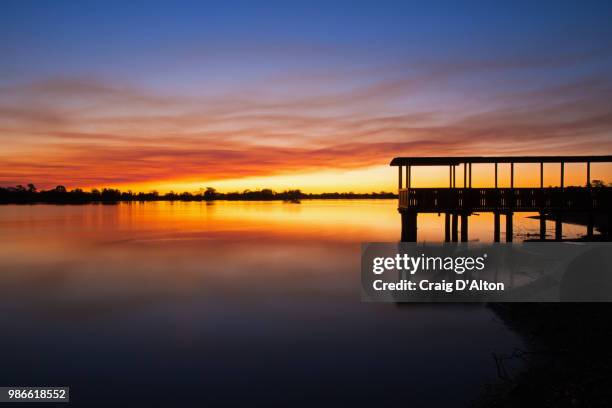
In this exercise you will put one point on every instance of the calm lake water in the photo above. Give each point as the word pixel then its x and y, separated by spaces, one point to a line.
pixel 230 302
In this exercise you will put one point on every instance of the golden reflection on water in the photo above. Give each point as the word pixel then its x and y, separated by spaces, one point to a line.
pixel 220 238
pixel 52 227
pixel 179 247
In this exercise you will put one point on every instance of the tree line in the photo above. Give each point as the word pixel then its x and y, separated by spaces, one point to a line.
pixel 59 194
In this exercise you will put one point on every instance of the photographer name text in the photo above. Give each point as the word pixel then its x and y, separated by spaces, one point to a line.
pixel 442 286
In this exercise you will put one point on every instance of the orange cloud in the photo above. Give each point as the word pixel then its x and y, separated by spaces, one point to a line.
pixel 87 133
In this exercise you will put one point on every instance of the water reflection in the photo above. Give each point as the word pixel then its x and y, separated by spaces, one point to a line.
pixel 228 302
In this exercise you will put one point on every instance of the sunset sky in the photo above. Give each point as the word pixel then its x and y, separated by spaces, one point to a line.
pixel 312 95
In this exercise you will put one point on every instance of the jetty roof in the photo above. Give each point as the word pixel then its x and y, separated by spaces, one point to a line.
pixel 457 160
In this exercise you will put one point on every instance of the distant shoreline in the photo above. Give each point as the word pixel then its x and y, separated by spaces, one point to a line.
pixel 60 195
pixel 185 201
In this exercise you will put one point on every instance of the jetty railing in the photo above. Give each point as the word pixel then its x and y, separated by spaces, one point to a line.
pixel 505 199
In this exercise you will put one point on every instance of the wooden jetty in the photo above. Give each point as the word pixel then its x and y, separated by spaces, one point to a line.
pixel 458 203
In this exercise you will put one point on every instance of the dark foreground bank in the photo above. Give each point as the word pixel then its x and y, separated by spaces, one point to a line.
pixel 568 362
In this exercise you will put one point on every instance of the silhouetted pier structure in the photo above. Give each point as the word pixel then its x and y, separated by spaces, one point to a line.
pixel 457 203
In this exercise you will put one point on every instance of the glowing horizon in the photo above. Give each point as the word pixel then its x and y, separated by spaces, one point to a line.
pixel 379 178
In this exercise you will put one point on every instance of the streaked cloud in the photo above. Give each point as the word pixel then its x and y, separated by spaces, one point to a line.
pixel 85 132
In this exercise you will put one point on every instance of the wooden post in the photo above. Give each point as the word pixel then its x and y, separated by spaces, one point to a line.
pixel 542 226
pixel 588 183
pixel 455 232
pixel 413 230
pixel 404 233
pixel 495 226
pixel 590 215
pixel 408 168
pixel 400 182
pixel 541 197
pixel 590 224
pixel 464 175
pixel 509 227
pixel 409 226
pixel 511 175
pixel 464 227
pixel 470 175
pixel 558 227
pixel 447 234
pixel 495 175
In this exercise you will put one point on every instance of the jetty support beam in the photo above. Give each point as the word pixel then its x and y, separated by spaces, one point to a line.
pixel 496 226
pixel 447 227
pixel 464 227
pixel 509 232
pixel 558 227
pixel 409 226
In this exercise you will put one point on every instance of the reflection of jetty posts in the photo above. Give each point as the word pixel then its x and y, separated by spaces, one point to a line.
pixel 458 203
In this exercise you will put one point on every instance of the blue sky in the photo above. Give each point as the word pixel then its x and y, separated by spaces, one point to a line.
pixel 139 38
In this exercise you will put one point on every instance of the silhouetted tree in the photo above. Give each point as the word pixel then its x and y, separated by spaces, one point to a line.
pixel 598 183
pixel 109 194
pixel 266 194
pixel 210 194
